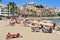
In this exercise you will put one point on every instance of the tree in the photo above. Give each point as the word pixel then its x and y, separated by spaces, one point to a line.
pixel 7 9
pixel 28 10
pixel 58 14
pixel 39 6
pixel 11 7
pixel 17 11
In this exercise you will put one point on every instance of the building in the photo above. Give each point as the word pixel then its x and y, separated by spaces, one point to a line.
pixel 3 11
pixel 29 5
pixel 46 11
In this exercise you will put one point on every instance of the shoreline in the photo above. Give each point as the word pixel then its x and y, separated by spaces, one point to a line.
pixel 47 18
pixel 43 18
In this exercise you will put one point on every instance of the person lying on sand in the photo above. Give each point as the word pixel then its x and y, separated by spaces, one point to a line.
pixel 10 36
pixel 16 35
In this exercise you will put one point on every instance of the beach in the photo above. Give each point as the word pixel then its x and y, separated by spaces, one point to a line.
pixel 25 32
pixel 29 20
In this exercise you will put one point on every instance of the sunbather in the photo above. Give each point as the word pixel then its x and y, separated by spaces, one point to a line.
pixel 47 30
pixel 16 35
pixel 12 21
pixel 9 36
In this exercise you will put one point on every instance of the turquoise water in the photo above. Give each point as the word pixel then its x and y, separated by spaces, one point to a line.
pixel 55 20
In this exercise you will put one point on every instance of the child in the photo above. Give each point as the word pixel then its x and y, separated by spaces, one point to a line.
pixel 50 29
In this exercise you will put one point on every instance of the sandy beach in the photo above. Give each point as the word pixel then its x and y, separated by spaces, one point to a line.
pixel 25 32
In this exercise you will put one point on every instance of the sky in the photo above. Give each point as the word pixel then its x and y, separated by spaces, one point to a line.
pixel 49 3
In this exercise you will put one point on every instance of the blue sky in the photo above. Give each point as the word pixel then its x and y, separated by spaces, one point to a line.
pixel 49 3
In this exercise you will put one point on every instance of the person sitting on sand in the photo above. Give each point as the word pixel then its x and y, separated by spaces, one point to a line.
pixel 50 29
pixel 44 30
pixel 33 27
pixel 54 24
pixel 47 30
pixel 12 21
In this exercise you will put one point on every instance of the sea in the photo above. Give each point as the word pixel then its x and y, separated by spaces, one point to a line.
pixel 55 20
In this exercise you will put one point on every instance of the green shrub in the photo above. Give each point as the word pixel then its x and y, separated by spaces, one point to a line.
pixel 58 13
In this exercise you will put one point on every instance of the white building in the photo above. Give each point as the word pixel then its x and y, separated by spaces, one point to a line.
pixel 3 11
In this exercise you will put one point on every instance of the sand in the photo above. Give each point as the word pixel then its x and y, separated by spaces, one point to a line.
pixel 25 32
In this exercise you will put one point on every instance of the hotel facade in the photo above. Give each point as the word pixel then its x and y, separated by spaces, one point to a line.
pixel 46 11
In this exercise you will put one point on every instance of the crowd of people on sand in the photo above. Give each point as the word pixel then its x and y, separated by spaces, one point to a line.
pixel 37 27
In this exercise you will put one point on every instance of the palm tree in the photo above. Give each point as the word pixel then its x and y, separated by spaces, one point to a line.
pixel 11 7
pixel 17 11
pixel 7 9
